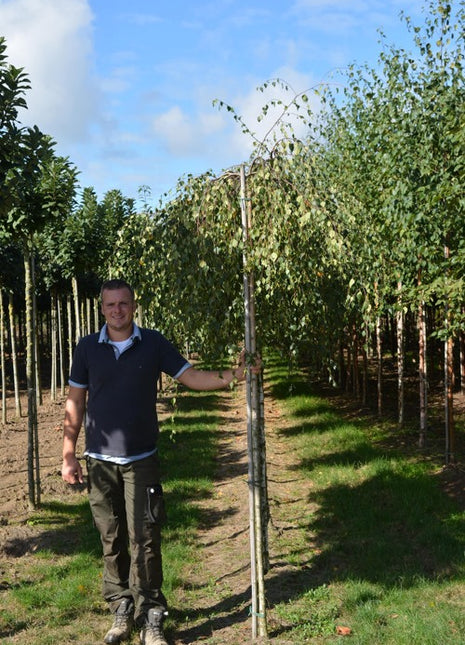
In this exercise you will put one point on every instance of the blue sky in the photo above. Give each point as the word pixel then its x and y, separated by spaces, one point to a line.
pixel 126 88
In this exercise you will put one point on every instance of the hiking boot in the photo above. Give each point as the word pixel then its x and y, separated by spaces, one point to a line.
pixel 122 623
pixel 152 631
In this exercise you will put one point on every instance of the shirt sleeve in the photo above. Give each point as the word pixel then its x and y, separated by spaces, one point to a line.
pixel 79 374
pixel 171 361
pixel 183 369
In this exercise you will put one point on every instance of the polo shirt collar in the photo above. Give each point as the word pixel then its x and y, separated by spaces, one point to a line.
pixel 104 338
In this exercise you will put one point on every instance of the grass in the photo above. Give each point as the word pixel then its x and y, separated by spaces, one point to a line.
pixel 57 579
pixel 387 544
pixel 377 547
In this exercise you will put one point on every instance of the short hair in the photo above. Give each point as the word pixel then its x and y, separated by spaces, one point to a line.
pixel 116 283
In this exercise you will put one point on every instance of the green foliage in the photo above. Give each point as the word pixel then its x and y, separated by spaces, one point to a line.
pixel 347 224
pixel 13 85
pixel 350 218
pixel 184 261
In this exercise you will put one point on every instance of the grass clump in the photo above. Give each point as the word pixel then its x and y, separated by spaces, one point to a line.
pixel 313 614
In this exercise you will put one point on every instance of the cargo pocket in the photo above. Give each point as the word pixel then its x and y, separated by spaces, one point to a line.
pixel 156 505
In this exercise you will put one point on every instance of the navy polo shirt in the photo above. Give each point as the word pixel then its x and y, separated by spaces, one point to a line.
pixel 121 416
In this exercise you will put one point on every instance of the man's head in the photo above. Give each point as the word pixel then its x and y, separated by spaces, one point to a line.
pixel 116 283
pixel 118 307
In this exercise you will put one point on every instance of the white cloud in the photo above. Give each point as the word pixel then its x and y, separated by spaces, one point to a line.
pixel 120 81
pixel 177 131
pixel 215 135
pixel 184 135
pixel 52 40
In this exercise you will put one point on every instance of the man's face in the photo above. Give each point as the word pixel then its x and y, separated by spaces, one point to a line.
pixel 118 307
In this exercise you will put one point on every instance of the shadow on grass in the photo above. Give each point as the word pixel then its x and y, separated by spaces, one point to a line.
pixel 67 530
pixel 393 529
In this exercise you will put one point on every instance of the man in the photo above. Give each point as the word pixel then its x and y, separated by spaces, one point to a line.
pixel 113 381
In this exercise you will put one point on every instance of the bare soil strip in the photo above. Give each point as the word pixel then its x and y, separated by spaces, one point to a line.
pixel 216 598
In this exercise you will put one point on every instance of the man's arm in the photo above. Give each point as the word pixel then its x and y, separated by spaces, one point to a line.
pixel 75 405
pixel 210 380
pixel 214 379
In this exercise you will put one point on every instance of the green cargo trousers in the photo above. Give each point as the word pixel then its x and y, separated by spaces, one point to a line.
pixel 128 510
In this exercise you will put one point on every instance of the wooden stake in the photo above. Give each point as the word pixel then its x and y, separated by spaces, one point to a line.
pixel 253 432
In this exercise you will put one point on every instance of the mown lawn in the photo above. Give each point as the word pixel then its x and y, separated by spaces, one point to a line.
pixel 387 563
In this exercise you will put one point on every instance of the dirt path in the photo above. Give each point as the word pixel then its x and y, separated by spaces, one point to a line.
pixel 217 595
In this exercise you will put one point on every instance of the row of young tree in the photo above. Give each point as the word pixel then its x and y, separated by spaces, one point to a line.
pixel 356 241
pixel 50 242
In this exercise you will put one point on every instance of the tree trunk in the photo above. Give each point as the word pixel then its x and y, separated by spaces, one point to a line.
pixel 14 357
pixel 82 310
pixel 35 328
pixel 449 400
pixel 88 314
pixel 2 359
pixel 449 381
pixel 140 316
pixel 30 379
pixel 70 329
pixel 53 342
pixel 400 357
pixel 60 345
pixel 341 365
pixel 422 373
pixel 77 313
pixel 348 383
pixel 379 355
pixel 462 362
pixel 355 367
pixel 365 369
pixel 255 437
pixel 96 315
